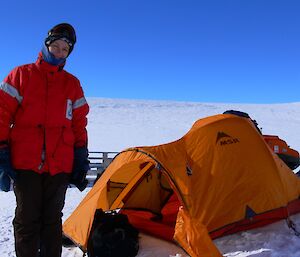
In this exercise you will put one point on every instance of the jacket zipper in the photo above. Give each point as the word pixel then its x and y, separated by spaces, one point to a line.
pixel 43 155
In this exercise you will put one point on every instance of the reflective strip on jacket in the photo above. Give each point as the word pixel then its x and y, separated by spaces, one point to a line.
pixel 43 116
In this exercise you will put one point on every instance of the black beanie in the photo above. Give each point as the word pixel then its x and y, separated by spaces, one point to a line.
pixel 62 31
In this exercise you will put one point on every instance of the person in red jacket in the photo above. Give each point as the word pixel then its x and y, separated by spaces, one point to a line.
pixel 43 143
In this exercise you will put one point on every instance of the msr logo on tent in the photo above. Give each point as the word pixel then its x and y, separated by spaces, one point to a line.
pixel 225 139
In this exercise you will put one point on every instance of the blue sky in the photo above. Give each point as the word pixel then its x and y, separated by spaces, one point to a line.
pixel 231 51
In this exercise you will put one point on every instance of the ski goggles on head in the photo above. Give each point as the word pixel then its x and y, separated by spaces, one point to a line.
pixel 62 31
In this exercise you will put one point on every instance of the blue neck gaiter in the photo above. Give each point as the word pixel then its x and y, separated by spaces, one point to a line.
pixel 50 58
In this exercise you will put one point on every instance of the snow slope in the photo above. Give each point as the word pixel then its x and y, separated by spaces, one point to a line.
pixel 115 124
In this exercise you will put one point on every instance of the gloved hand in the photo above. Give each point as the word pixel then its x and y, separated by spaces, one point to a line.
pixel 80 168
pixel 6 170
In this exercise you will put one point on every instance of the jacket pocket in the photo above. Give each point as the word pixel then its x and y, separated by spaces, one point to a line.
pixel 64 153
pixel 68 137
pixel 26 147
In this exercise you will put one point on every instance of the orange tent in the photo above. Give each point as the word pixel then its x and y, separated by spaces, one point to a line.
pixel 284 151
pixel 222 172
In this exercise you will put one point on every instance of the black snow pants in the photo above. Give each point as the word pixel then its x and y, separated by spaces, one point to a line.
pixel 37 223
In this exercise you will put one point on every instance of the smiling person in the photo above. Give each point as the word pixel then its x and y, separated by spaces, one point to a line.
pixel 43 143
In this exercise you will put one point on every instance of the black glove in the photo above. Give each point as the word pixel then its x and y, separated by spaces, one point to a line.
pixel 80 168
pixel 6 170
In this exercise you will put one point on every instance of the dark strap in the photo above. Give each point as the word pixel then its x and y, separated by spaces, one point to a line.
pixel 3 143
pixel 292 226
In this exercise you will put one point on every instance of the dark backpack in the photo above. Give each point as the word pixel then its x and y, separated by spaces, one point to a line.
pixel 112 236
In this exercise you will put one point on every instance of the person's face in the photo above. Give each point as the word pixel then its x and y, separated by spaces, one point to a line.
pixel 59 48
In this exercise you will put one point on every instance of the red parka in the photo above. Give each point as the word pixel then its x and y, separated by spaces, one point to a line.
pixel 43 117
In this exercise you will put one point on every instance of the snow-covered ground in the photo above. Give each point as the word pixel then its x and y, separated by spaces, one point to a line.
pixel 117 124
